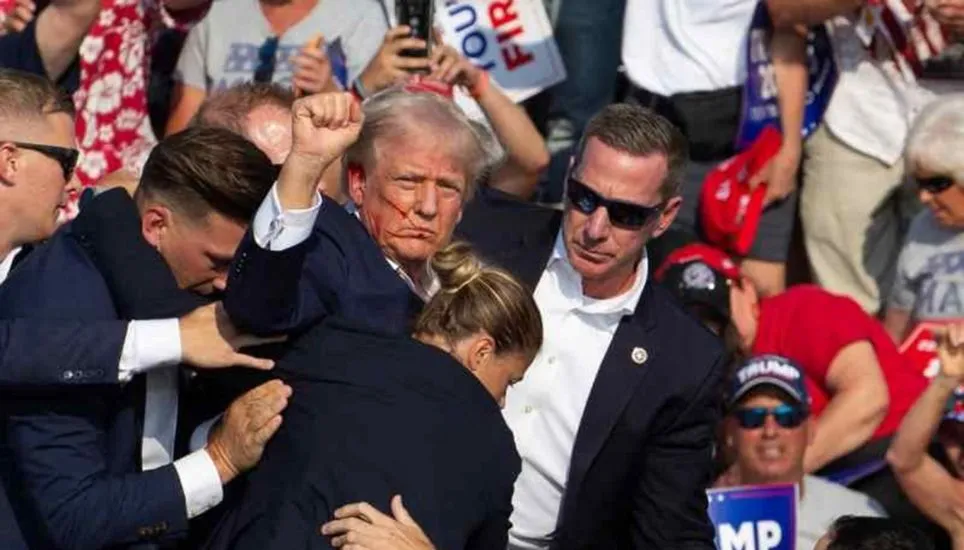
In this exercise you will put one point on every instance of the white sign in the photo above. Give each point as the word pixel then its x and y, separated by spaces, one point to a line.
pixel 511 39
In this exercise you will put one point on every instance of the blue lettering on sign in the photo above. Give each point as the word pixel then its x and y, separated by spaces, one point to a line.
pixel 473 41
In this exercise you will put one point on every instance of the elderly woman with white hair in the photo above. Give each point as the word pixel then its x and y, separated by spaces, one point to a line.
pixel 929 284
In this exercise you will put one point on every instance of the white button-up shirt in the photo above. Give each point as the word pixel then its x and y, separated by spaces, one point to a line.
pixel 544 410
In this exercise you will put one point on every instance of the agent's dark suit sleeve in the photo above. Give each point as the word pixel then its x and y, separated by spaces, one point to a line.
pixel 494 533
pixel 669 500
pixel 58 443
pixel 36 352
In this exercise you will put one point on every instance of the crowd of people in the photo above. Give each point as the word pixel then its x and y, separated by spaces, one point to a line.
pixel 266 283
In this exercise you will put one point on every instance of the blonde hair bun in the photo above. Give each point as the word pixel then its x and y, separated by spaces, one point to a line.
pixel 456 267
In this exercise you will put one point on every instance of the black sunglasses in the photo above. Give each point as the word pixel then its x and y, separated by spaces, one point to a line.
pixel 66 157
pixel 787 416
pixel 935 185
pixel 264 72
pixel 621 214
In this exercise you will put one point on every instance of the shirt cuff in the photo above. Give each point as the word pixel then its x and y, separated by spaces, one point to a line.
pixel 149 345
pixel 277 229
pixel 200 436
pixel 200 482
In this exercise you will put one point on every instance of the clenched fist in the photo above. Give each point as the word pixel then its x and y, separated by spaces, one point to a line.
pixel 324 126
pixel 237 441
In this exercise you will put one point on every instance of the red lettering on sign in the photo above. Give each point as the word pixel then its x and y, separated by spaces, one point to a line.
pixel 514 57
pixel 501 13
pixel 508 35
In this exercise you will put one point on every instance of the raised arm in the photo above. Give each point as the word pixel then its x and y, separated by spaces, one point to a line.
pixel 527 155
pixel 53 39
pixel 930 487
pixel 858 404
pixel 269 289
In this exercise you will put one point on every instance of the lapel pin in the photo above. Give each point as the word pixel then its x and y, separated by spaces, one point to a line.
pixel 639 356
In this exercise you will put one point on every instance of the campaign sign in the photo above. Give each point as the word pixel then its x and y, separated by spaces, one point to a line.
pixel 511 39
pixel 760 103
pixel 755 518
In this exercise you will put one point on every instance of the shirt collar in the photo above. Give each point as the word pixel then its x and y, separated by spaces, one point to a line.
pixel 6 263
pixel 430 283
pixel 571 284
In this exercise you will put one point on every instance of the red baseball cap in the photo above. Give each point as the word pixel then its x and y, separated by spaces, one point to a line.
pixel 729 210
pixel 698 274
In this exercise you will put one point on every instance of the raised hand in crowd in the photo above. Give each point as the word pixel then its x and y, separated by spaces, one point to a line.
pixel 60 28
pixel 324 126
pixel 238 439
pixel 210 341
pixel 527 155
pixel 313 73
pixel 22 14
pixel 389 66
pixel 360 526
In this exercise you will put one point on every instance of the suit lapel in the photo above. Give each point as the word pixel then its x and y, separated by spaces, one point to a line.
pixel 20 256
pixel 632 352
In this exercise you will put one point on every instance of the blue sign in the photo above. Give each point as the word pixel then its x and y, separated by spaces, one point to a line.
pixel 339 64
pixel 755 518
pixel 760 103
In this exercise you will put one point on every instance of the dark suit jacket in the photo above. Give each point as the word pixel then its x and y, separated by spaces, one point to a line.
pixel 642 456
pixel 76 452
pixel 46 353
pixel 371 416
pixel 339 270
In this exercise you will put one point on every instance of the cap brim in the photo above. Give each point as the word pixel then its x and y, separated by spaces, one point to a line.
pixel 777 383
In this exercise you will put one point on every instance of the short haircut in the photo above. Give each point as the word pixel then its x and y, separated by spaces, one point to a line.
pixel 868 533
pixel 25 95
pixel 201 170
pixel 639 131
pixel 936 139
pixel 230 107
pixel 393 113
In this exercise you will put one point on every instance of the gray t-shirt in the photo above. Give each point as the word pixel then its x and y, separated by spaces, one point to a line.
pixel 222 50
pixel 823 503
pixel 930 272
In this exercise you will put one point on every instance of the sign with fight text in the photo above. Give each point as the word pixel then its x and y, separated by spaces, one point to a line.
pixel 512 39
pixel 755 518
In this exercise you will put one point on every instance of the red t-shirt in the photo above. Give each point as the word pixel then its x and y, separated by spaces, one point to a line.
pixel 811 326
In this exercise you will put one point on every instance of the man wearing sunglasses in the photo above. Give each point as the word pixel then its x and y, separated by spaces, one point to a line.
pixel 767 430
pixel 37 159
pixel 859 384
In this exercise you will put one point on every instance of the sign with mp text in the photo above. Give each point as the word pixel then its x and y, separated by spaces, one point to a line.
pixel 755 518
pixel 511 39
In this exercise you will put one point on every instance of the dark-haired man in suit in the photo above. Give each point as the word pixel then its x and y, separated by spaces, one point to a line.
pixel 105 466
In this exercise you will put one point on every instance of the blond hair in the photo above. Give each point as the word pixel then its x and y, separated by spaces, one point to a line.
pixel 475 297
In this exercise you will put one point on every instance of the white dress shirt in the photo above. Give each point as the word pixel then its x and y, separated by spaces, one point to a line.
pixel 277 229
pixel 6 264
pixel 545 409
